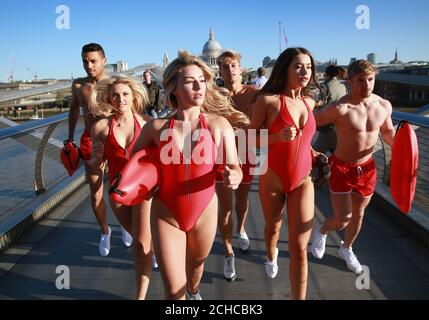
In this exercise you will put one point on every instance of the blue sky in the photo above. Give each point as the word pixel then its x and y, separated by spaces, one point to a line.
pixel 141 31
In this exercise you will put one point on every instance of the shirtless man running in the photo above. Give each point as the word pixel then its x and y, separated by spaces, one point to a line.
pixel 241 95
pixel 358 117
pixel 94 60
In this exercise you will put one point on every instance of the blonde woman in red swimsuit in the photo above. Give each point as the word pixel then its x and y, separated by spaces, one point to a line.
pixel 123 100
pixel 184 211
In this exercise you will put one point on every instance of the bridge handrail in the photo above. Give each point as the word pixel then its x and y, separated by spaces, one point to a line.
pixel 29 129
pixel 18 94
pixel 31 126
pixel 415 119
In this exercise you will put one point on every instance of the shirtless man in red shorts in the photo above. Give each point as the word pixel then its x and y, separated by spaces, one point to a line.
pixel 241 95
pixel 93 59
pixel 358 118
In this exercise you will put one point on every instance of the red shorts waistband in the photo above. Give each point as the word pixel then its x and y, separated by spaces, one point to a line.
pixel 350 164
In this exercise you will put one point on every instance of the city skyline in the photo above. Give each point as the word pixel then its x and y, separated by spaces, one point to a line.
pixel 140 32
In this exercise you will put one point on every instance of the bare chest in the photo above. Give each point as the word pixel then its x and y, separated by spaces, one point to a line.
pixel 363 119
pixel 242 102
pixel 84 95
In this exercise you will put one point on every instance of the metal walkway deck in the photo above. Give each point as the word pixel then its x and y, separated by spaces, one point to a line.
pixel 398 265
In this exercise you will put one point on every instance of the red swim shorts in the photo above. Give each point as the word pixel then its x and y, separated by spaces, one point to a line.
pixel 85 146
pixel 351 177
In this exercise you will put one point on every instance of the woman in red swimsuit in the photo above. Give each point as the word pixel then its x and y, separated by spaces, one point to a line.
pixel 123 99
pixel 184 211
pixel 284 108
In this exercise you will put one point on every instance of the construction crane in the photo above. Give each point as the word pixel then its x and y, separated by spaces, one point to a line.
pixel 11 70
pixel 280 36
pixel 34 74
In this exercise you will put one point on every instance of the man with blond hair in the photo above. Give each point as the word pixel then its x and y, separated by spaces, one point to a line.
pixel 358 118
pixel 241 95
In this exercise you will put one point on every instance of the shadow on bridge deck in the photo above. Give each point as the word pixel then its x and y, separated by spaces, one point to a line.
pixel 398 265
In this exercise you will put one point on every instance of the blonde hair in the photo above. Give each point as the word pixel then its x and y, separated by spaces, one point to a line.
pixel 100 99
pixel 217 100
pixel 361 66
pixel 228 56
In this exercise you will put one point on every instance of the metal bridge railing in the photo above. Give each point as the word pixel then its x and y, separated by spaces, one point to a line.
pixel 30 165
pixel 29 162
pixel 19 94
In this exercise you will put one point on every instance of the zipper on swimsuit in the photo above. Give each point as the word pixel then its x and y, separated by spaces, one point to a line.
pixel 188 177
pixel 297 149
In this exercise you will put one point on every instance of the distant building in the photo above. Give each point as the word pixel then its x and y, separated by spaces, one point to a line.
pixel 372 57
pixel 21 85
pixel 352 60
pixel 165 60
pixel 396 60
pixel 122 66
pixel 267 61
pixel 417 70
pixel 211 51
pixel 403 90
pixel 118 67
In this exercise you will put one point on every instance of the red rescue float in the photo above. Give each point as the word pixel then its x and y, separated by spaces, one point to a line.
pixel 139 176
pixel 69 156
pixel 404 165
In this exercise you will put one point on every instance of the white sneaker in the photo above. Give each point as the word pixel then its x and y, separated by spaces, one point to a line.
pixel 154 262
pixel 229 268
pixel 271 267
pixel 244 242
pixel 318 244
pixel 350 258
pixel 104 246
pixel 193 296
pixel 127 239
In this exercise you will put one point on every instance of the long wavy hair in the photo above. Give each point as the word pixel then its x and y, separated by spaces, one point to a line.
pixel 217 100
pixel 100 100
pixel 278 80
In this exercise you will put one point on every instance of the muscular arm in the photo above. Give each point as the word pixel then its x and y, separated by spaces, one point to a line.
pixel 258 120
pixel 74 110
pixel 387 130
pixel 98 136
pixel 329 114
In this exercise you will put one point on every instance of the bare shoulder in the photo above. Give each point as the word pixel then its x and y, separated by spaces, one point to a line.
pixel 143 118
pixel 267 100
pixel 157 124
pixel 251 90
pixel 101 125
pixel 216 122
pixel 341 106
pixel 79 82
pixel 384 103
